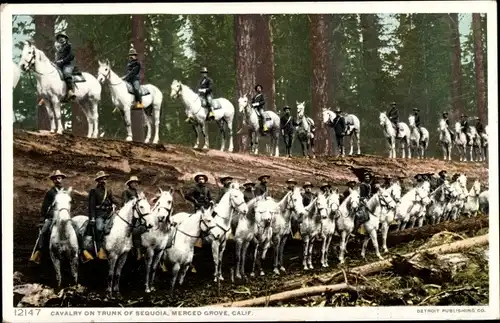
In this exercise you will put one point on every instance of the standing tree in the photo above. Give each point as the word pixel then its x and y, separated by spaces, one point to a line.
pixel 244 27
pixel 138 33
pixel 456 71
pixel 479 67
pixel 265 59
pixel 319 53
pixel 44 40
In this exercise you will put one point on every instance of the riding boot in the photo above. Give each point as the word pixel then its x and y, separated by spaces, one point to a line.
pixel 138 99
pixel 86 256
pixel 136 239
pixel 71 89
pixel 36 257
pixel 261 126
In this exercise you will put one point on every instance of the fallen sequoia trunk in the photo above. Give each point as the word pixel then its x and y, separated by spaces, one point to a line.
pixel 361 270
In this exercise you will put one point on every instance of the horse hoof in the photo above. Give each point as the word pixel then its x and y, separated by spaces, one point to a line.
pixel 147 291
pixel 306 268
pixel 128 139
pixel 262 273
pixel 252 274
pixel 238 276
pixel 205 147
pixel 282 269
pixel 221 278
pixel 276 271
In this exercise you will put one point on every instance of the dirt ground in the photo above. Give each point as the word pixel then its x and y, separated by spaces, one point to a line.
pixel 36 155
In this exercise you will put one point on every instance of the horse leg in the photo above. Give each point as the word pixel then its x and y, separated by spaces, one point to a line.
pixel 74 266
pixel 306 248
pixel 222 132
pixel 175 273
pixel 119 266
pixel 366 239
pixel 343 238
pixel 276 245
pixel 328 241
pixel 256 143
pixel 312 148
pixel 183 274
pixel 351 148
pixel 255 256
pixel 323 252
pixel 204 132
pixel 56 105
pixel 282 250
pixel 128 123
pixel 230 134
pixel 57 267
pixel 276 139
pixel 156 260
pixel 303 145
pixel 149 261
pixel 373 237
pixel 50 113
pixel 239 247
pixel 221 255
pixel 197 134
pixel 111 274
pixel 244 257
pixel 86 109
pixel 262 258
pixel 420 221
pixel 215 255
pixel 95 118
pixel 148 124
pixel 156 119
pixel 385 231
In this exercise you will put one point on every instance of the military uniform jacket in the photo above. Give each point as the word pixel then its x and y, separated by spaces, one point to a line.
pixel 307 198
pixel 364 190
pixel 287 124
pixel 394 115
pixel 260 189
pixel 132 71
pixel 248 195
pixel 48 200
pixel 259 98
pixel 199 196
pixel 206 83
pixel 417 119
pixel 99 202
pixel 465 125
pixel 222 192
pixel 129 194
pixel 480 128
pixel 339 125
pixel 64 54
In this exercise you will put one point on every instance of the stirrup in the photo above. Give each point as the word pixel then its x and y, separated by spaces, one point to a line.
pixel 139 105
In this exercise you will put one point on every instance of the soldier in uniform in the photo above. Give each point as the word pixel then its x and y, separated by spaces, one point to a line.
pixel 351 185
pixel 133 76
pixel 419 178
pixel 131 191
pixel 200 195
pixel 138 224
pixel 394 116
pixel 442 177
pixel 205 91
pixel 416 114
pixel 101 202
pixel 226 183
pixel 325 188
pixel 248 193
pixel 365 188
pixel 464 124
pixel 261 188
pixel 65 62
pixel 287 127
pixel 479 126
pixel 307 196
pixel 339 127
pixel 290 184
pixel 258 103
pixel 445 118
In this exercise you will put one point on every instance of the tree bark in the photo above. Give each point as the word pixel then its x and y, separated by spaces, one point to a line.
pixel 84 57
pixel 479 66
pixel 456 71
pixel 138 33
pixel 319 53
pixel 44 40
pixel 265 59
pixel 244 28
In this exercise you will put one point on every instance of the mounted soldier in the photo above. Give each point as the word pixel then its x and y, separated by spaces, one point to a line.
pixel 445 118
pixel 351 185
pixel 287 128
pixel 200 195
pixel 139 224
pixel 325 188
pixel 258 103
pixel 131 191
pixel 291 184
pixel 394 116
pixel 307 196
pixel 226 183
pixel 205 92
pixel 261 188
pixel 248 193
pixel 479 126
pixel 339 128
pixel 132 76
pixel 365 188
pixel 65 62
pixel 464 125
pixel 416 114
pixel 101 204
pixel 419 178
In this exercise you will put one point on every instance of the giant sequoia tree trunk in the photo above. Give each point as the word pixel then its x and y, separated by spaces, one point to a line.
pixel 44 40
pixel 84 57
pixel 456 72
pixel 138 33
pixel 265 59
pixel 244 27
pixel 479 66
pixel 319 53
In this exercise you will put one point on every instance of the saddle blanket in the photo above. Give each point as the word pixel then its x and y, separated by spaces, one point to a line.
pixel 143 90
pixel 77 75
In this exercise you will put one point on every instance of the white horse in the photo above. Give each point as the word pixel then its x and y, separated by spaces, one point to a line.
pixel 412 204
pixel 271 121
pixel 345 219
pixel 460 186
pixel 440 205
pixel 265 211
pixel 471 206
pixel 445 139
pixel 304 131
pixel 223 114
pixel 187 231
pixel 353 127
pixel 310 226
pixel 390 134
pixel 63 239
pixel 476 147
pixel 484 202
pixel 328 225
pixel 52 89
pixel 290 204
pixel 16 74
pixel 388 210
pixel 484 143
pixel 461 142
pixel 123 98
pixel 418 142
pixel 159 236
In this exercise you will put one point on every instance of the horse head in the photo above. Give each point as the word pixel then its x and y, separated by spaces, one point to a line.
pixel 442 125
pixel 353 201
pixel 476 189
pixel 411 121
pixel 207 222
pixel 422 195
pixel 104 71
pixel 383 118
pixel 164 205
pixel 387 199
pixel 175 89
pixel 300 109
pixel 28 56
pixel 237 199
pixel 262 212
pixel 62 200
pixel 333 201
pixel 395 191
pixel 321 205
pixel 141 206
pixel 296 203
pixel 242 103
pixel 326 115
pixel 458 127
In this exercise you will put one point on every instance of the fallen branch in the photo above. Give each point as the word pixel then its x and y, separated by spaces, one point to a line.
pixel 365 270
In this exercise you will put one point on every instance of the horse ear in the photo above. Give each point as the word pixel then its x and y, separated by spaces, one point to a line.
pixel 159 189
pixel 69 190
pixel 107 62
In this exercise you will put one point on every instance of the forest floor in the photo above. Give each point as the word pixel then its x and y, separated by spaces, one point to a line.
pixel 36 155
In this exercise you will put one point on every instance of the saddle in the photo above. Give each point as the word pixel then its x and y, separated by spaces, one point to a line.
pixel 142 89
pixel 266 115
pixel 215 103
pixel 77 75
pixel 88 240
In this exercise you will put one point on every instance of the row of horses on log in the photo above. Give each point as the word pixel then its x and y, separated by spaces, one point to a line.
pixel 52 89
pixel 264 222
